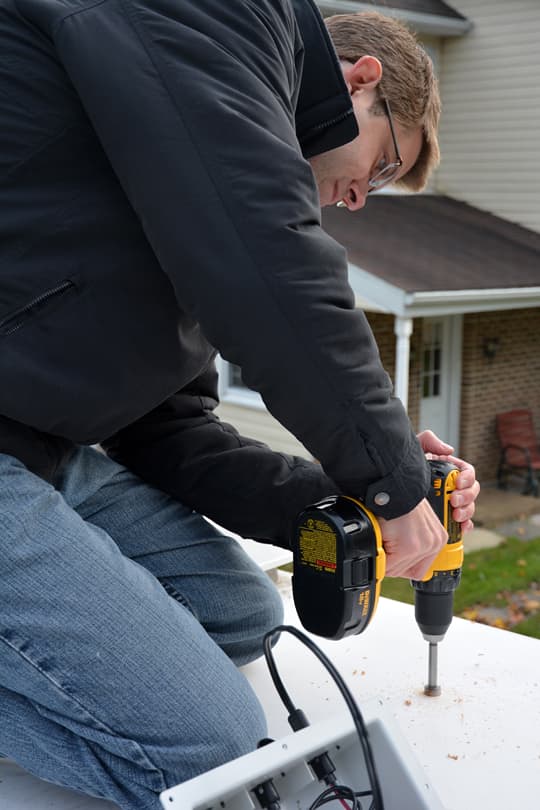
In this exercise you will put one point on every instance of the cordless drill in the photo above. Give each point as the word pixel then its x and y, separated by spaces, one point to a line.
pixel 339 564
pixel 434 594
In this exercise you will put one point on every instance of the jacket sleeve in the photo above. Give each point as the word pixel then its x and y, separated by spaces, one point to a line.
pixel 194 106
pixel 183 448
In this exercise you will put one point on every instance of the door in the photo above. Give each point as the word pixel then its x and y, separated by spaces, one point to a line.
pixel 440 379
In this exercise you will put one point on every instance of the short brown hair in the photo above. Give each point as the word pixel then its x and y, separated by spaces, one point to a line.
pixel 408 80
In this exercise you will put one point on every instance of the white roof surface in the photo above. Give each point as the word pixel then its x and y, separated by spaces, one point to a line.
pixel 478 743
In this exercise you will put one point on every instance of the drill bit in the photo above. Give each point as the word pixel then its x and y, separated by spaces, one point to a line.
pixel 432 688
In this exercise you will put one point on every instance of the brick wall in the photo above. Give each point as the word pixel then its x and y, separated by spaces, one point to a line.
pixel 510 380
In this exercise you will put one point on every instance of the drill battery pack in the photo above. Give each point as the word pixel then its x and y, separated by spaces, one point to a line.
pixel 339 564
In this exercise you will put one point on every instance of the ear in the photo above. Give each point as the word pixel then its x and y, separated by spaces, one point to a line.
pixel 365 74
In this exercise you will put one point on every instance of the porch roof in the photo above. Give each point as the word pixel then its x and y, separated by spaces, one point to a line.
pixel 425 255
pixel 427 16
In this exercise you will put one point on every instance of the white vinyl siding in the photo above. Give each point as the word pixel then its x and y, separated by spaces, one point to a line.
pixel 259 424
pixel 432 45
pixel 490 88
pixel 246 411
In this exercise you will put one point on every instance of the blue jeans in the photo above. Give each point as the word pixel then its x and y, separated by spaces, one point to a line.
pixel 123 618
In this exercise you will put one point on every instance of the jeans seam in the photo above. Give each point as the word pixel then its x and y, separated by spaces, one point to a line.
pixel 101 725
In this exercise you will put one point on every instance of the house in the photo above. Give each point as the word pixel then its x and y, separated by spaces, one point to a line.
pixel 450 279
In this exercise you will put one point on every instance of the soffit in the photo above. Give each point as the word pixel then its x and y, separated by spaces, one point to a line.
pixel 426 16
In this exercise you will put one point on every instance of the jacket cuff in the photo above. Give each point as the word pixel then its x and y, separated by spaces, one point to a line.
pixel 399 492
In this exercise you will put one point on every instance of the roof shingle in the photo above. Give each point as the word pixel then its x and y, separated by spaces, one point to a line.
pixel 430 243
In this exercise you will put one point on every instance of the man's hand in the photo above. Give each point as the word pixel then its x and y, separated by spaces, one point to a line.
pixel 412 541
pixel 467 487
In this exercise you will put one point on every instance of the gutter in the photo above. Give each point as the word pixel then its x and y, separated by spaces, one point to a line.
pixel 452 302
pixel 376 295
pixel 423 23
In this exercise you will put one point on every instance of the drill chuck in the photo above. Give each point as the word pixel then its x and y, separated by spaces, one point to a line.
pixel 434 603
pixel 433 613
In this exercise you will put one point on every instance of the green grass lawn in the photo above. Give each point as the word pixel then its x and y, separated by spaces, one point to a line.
pixel 499 586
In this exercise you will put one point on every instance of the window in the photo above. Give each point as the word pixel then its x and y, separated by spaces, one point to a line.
pixel 431 359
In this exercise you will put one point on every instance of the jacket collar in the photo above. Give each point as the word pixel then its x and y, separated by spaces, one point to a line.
pixel 324 112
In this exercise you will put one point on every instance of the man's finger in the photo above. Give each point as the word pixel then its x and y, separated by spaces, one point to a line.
pixel 467 473
pixel 431 443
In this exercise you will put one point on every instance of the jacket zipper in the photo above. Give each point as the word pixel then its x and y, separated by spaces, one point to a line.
pixel 19 315
pixel 336 120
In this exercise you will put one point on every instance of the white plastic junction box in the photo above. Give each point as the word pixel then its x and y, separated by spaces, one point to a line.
pixel 285 761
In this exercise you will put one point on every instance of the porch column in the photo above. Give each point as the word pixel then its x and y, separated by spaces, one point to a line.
pixel 403 329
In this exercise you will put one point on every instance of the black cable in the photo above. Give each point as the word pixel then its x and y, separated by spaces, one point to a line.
pixel 338 792
pixel 278 683
pixel 335 793
pixel 360 726
pixel 267 795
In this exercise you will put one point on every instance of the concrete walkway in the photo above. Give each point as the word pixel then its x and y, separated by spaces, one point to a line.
pixel 500 514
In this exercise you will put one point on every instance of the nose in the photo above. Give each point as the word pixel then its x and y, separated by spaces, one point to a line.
pixel 356 197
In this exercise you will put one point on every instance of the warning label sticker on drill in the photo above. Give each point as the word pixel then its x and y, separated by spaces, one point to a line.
pixel 317 545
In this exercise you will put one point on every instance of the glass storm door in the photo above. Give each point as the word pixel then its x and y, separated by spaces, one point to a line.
pixel 435 377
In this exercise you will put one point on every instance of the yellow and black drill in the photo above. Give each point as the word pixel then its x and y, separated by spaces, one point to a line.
pixel 339 564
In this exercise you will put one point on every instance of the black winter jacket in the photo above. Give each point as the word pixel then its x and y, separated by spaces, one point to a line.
pixel 156 205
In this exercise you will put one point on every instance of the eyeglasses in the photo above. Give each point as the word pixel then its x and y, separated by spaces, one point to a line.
pixel 388 172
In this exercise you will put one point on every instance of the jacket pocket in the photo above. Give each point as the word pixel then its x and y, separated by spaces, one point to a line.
pixel 17 319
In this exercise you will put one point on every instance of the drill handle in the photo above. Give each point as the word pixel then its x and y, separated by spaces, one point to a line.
pixel 443 483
